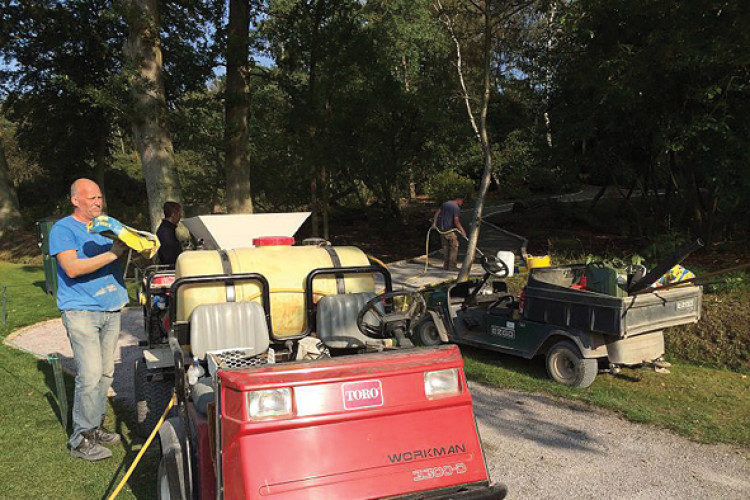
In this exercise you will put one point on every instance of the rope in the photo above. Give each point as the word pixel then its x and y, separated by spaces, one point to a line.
pixel 145 446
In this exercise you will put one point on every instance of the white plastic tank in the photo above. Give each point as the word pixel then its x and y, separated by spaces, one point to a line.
pixel 509 258
pixel 286 269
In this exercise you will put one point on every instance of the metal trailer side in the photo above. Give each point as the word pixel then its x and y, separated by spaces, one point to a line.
pixel 549 300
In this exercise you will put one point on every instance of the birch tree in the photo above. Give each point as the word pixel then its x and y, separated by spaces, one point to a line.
pixel 550 44
pixel 490 17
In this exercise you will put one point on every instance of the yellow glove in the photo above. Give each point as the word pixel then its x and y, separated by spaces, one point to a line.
pixel 145 243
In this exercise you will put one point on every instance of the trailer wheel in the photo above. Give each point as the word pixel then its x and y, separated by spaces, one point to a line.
pixel 151 398
pixel 566 365
pixel 427 333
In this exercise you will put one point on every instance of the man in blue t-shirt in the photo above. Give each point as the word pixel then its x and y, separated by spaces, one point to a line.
pixel 90 294
pixel 448 221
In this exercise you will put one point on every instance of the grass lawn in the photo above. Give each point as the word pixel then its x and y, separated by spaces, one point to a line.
pixel 703 404
pixel 35 462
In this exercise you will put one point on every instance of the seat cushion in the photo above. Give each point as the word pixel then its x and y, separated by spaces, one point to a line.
pixel 231 325
pixel 337 320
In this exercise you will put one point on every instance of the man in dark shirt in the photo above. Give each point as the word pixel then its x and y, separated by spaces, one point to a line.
pixel 448 221
pixel 170 247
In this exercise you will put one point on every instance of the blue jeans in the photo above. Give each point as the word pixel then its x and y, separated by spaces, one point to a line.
pixel 93 337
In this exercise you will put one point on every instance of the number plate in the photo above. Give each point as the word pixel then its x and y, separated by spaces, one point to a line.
pixel 686 305
pixel 499 331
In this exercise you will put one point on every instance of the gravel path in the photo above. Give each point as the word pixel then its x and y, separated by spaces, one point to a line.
pixel 49 337
pixel 539 447
pixel 542 447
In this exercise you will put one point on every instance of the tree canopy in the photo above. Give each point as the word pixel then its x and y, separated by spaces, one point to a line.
pixel 333 104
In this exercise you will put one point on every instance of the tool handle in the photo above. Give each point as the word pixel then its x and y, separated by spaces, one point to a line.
pixel 665 266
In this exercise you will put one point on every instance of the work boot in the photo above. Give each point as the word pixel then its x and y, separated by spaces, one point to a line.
pixel 103 436
pixel 89 449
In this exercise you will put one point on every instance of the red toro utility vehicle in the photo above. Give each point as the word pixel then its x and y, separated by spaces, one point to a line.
pixel 295 380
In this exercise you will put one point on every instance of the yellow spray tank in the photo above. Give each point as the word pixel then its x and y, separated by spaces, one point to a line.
pixel 285 267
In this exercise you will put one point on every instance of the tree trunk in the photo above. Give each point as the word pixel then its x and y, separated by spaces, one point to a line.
pixel 314 202
pixel 476 217
pixel 10 215
pixel 151 136
pixel 607 181
pixel 100 162
pixel 548 76
pixel 238 194
pixel 312 116
pixel 325 201
pixel 325 177
pixel 405 70
pixel 480 131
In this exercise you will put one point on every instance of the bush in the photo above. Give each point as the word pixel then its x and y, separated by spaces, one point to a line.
pixel 448 184
pixel 523 165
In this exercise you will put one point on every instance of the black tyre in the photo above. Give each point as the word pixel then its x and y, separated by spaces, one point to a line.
pixel 162 481
pixel 427 333
pixel 170 488
pixel 566 365
pixel 152 330
pixel 156 334
pixel 151 398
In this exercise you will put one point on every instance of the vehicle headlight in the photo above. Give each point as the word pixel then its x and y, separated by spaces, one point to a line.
pixel 441 383
pixel 269 404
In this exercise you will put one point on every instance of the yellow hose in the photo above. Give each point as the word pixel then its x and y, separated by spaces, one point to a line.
pixel 145 446
pixel 427 245
pixel 376 260
pixel 380 262
pixel 426 251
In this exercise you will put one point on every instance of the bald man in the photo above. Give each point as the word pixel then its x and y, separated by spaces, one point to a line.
pixel 90 295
